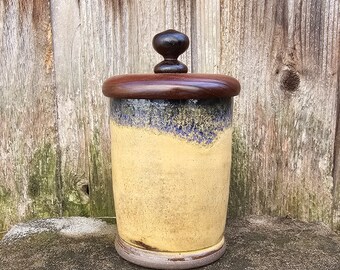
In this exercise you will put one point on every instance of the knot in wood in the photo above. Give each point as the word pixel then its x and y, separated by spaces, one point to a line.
pixel 290 81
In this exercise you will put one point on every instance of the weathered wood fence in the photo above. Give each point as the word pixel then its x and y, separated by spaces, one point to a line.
pixel 54 56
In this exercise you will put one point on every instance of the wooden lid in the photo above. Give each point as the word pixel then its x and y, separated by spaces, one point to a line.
pixel 171 86
pixel 171 80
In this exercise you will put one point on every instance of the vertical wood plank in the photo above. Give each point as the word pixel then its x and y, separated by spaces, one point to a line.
pixel 29 184
pixel 206 32
pixel 336 166
pixel 94 40
pixel 284 54
pixel 135 25
pixel 81 63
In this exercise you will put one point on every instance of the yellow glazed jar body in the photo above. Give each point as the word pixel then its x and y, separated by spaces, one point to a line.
pixel 171 167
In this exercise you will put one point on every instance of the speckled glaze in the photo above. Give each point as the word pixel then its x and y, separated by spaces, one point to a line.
pixel 199 121
pixel 171 165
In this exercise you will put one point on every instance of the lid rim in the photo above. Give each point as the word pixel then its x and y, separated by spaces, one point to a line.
pixel 171 86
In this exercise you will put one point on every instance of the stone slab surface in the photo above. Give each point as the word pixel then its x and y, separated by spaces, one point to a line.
pixel 253 243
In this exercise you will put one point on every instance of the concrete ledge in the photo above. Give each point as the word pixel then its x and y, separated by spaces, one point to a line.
pixel 252 243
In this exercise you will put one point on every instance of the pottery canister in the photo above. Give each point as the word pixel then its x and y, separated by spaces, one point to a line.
pixel 171 138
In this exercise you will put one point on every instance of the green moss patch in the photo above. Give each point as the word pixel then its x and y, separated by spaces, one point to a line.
pixel 42 187
pixel 239 192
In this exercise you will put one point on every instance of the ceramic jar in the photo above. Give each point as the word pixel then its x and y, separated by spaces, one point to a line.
pixel 171 141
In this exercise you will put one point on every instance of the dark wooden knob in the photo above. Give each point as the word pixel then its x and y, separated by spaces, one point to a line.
pixel 170 44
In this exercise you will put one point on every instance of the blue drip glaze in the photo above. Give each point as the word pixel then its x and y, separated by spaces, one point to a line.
pixel 193 120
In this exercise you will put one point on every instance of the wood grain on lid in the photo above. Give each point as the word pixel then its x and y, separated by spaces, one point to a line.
pixel 171 86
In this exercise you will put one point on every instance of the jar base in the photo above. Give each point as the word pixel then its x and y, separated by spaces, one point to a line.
pixel 169 260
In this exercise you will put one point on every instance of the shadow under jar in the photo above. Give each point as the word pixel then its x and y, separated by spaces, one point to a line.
pixel 171 140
